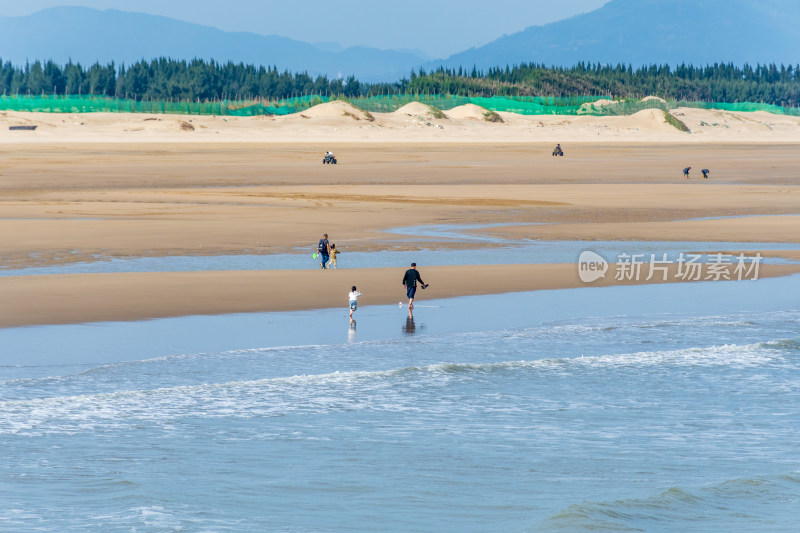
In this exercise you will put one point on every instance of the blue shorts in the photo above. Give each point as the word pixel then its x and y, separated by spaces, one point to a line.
pixel 354 305
pixel 411 291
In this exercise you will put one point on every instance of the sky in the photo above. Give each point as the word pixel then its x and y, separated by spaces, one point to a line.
pixel 439 28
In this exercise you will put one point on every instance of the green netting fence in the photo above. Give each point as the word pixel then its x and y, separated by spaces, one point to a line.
pixel 629 107
pixel 88 104
pixel 524 105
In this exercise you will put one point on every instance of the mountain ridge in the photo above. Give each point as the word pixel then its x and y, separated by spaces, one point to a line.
pixel 89 35
pixel 644 32
pixel 628 32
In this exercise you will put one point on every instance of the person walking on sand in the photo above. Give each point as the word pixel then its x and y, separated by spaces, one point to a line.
pixel 705 172
pixel 324 250
pixel 334 253
pixel 686 172
pixel 410 279
pixel 353 296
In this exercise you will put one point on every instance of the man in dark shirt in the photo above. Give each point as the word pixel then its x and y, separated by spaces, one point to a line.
pixel 324 250
pixel 410 279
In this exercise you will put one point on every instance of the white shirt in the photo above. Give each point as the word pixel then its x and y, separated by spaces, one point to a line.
pixel 354 296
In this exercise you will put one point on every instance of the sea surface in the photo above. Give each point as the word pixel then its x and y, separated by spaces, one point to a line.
pixel 651 408
pixel 495 252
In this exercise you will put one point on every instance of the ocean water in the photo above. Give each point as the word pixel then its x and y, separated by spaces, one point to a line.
pixel 655 408
pixel 527 252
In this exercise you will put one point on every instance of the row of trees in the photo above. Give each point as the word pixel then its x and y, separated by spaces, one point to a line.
pixel 168 79
pixel 771 84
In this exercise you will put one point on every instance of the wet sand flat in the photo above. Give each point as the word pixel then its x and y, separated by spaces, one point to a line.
pixel 75 203
pixel 83 202
pixel 78 298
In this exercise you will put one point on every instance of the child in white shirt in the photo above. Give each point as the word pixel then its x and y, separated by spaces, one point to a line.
pixel 354 294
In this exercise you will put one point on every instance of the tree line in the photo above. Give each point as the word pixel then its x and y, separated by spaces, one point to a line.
pixel 771 84
pixel 179 80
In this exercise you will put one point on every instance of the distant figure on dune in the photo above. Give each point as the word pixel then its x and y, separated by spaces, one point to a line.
pixel 558 151
pixel 705 172
pixel 686 172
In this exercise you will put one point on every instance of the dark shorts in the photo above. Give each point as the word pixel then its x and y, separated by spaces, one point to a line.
pixel 411 291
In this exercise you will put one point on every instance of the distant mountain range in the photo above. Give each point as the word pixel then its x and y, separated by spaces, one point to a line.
pixel 87 35
pixel 644 32
pixel 637 32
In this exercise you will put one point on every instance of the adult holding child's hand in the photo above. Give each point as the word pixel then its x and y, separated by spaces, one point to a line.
pixel 324 251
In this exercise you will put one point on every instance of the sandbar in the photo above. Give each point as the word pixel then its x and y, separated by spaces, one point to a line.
pixel 78 298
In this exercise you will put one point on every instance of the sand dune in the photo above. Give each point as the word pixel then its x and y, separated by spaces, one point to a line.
pixel 414 108
pixel 338 110
pixel 341 122
pixel 467 112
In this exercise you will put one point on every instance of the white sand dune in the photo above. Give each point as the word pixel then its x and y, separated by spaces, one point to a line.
pixel 600 103
pixel 467 112
pixel 414 108
pixel 649 120
pixel 336 109
pixel 414 122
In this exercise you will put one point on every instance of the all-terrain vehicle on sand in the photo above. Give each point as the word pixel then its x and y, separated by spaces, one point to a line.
pixel 329 159
pixel 557 151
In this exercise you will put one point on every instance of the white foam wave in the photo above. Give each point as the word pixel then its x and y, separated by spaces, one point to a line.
pixel 724 355
pixel 568 332
pixel 393 389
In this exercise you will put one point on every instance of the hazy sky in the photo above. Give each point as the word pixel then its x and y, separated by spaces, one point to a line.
pixel 438 28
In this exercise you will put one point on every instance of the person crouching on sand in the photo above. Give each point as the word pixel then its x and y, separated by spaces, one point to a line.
pixel 410 279
pixel 353 296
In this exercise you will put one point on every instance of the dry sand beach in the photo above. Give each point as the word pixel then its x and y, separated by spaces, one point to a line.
pixel 414 122
pixel 96 187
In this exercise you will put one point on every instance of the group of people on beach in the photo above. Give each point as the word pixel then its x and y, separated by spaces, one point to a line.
pixel 327 253
pixel 686 170
pixel 410 279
